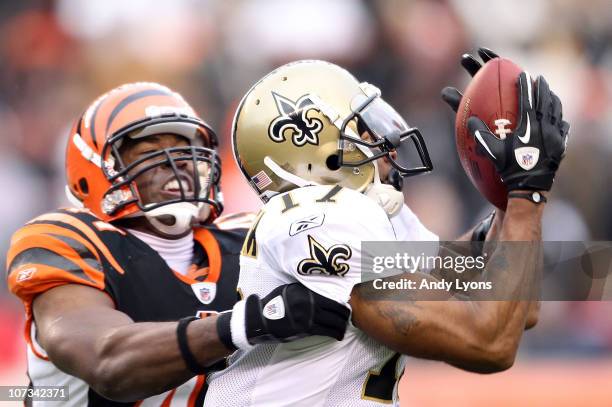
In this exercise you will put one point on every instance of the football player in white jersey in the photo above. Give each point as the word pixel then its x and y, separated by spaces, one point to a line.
pixel 310 139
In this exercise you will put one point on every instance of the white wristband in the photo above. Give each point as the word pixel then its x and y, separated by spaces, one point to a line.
pixel 238 326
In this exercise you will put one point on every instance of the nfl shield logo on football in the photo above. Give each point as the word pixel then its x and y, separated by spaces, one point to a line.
pixel 205 292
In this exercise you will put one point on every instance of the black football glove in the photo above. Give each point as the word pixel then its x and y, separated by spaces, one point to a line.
pixel 451 95
pixel 546 120
pixel 288 313
pixel 528 157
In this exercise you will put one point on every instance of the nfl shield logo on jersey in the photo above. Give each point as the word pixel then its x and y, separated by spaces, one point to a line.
pixel 205 292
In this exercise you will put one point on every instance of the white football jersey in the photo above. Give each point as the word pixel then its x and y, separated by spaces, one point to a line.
pixel 313 235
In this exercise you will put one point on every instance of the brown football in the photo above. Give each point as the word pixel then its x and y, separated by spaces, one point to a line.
pixel 492 95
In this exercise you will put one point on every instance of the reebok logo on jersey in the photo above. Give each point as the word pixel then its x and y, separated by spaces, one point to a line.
pixel 307 223
pixel 325 261
pixel 274 309
pixel 26 274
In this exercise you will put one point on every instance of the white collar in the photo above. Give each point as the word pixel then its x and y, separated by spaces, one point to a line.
pixel 178 253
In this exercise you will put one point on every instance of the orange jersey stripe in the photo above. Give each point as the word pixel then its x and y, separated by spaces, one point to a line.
pixel 211 246
pixel 60 248
pixel 28 338
pixel 194 394
pixel 168 399
pixel 58 217
pixel 43 278
pixel 194 272
pixel 34 231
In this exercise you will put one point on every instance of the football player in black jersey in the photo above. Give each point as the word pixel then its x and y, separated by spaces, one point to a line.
pixel 105 282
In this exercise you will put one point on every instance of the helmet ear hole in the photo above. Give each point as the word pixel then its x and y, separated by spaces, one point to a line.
pixel 83 186
pixel 333 162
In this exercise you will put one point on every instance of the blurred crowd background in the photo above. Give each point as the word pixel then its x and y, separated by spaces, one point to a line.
pixel 56 56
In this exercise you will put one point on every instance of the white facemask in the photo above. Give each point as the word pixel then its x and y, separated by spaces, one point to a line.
pixel 184 214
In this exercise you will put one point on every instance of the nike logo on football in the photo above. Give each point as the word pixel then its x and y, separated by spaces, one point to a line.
pixel 525 138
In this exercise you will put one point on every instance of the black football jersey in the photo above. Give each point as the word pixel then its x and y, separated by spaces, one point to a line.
pixel 72 246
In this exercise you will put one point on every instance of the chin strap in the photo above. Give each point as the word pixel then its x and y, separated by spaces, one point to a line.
pixel 389 198
pixel 385 195
pixel 286 175
pixel 184 213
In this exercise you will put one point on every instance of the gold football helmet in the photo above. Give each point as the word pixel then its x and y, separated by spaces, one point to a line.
pixel 311 122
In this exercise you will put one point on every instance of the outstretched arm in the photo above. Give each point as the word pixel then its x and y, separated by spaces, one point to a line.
pixel 122 360
pixel 487 231
pixel 476 335
pixel 86 337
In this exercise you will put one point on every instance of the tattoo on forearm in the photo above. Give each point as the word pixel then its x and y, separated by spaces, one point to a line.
pixel 402 319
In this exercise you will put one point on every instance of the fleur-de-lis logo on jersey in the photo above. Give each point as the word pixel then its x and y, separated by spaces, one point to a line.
pixel 294 121
pixel 325 261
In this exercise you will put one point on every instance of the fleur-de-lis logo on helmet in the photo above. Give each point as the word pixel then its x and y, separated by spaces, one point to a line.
pixel 294 119
pixel 325 261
